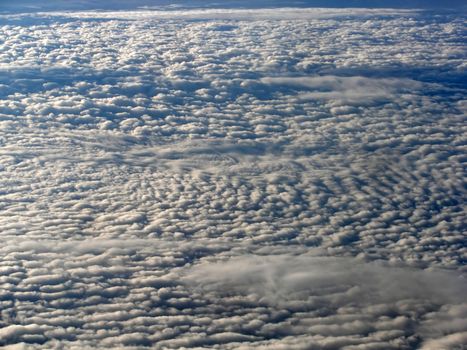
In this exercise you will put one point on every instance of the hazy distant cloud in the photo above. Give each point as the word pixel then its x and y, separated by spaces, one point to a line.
pixel 303 283
pixel 28 5
pixel 349 90
pixel 283 278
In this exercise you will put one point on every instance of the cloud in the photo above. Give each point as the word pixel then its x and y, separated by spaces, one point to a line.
pixel 285 277
pixel 349 90
pixel 18 333
pixel 27 5
pixel 352 296
pixel 451 341
pixel 302 186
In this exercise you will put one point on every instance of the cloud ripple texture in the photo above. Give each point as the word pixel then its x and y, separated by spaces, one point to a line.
pixel 200 178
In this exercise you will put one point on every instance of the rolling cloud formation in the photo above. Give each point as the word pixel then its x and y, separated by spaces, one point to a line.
pixel 233 179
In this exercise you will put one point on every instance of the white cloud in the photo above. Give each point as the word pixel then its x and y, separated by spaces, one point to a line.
pixel 235 14
pixel 283 278
pixel 451 341
pixel 348 90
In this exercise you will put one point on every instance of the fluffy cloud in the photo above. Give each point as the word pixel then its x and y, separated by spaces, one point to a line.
pixel 235 179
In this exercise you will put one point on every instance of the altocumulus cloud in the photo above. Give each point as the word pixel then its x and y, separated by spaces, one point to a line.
pixel 232 179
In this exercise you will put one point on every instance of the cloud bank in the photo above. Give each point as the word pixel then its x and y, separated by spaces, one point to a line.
pixel 232 179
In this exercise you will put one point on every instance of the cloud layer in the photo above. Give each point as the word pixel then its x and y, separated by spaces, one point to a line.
pixel 232 179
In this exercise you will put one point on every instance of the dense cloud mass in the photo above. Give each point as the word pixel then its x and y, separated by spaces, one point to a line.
pixel 233 179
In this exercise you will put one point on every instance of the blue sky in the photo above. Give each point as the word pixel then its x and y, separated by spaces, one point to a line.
pixel 121 4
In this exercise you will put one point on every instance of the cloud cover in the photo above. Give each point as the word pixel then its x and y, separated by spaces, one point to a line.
pixel 300 187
